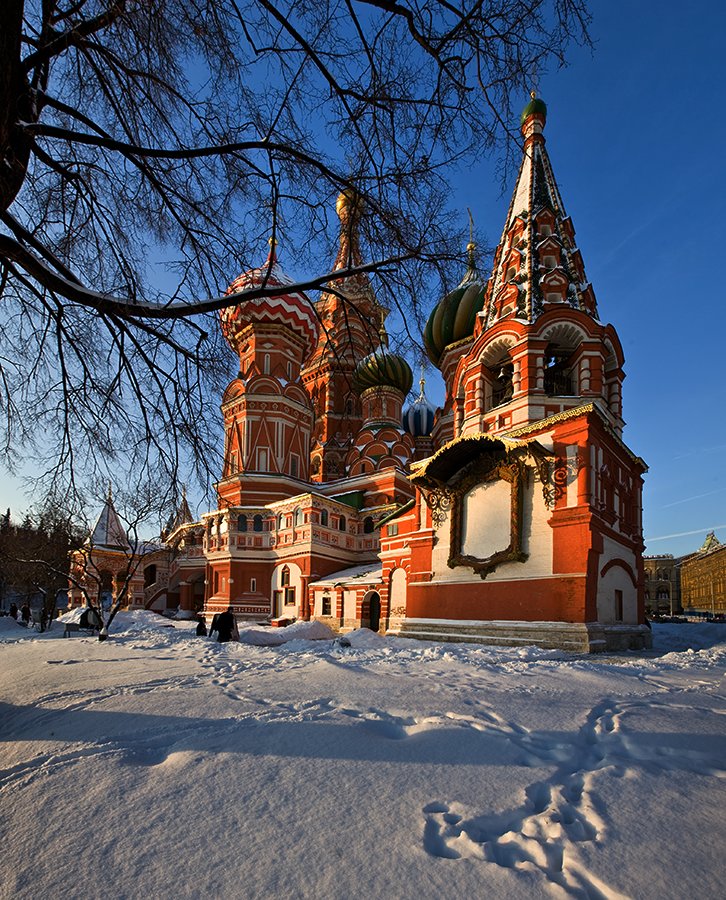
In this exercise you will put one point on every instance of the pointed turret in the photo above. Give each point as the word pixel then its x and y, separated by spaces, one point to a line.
pixel 183 515
pixel 348 316
pixel 538 347
pixel 536 263
pixel 108 533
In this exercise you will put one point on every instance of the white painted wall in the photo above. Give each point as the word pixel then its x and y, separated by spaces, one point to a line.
pixel 614 579
pixel 536 539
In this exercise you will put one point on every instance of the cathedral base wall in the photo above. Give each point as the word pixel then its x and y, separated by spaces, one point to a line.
pixel 575 637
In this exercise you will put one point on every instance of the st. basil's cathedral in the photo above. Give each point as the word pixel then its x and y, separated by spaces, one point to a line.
pixel 511 515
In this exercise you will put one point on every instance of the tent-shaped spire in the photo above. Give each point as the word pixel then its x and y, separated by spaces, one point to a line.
pixel 537 262
pixel 108 532
pixel 182 516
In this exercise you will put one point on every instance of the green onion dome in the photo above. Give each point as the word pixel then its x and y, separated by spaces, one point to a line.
pixel 534 107
pixel 454 317
pixel 383 369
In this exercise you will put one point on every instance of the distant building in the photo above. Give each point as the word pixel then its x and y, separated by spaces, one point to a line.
pixel 662 584
pixel 703 578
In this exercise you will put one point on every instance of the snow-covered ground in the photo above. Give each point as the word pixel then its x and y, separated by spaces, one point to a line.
pixel 159 764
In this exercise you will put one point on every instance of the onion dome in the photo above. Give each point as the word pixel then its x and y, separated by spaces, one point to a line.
pixel 418 418
pixel 535 107
pixel 382 369
pixel 454 317
pixel 292 310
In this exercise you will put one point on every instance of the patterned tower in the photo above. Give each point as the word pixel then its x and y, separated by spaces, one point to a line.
pixel 538 347
pixel 527 525
pixel 267 413
pixel 349 318
pixel 382 380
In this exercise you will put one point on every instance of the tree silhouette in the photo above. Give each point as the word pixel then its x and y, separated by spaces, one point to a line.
pixel 150 148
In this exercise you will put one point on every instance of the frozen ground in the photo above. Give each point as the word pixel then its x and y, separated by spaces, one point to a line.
pixel 159 764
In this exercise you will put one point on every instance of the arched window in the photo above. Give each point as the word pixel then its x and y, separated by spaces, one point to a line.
pixel 503 388
pixel 368 525
pixel 298 516
pixel 342 524
pixel 242 523
pixel 257 523
pixel 266 364
pixel 557 375
pixel 280 522
pixel 324 517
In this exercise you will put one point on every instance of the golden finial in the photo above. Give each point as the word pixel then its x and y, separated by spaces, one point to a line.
pixel 533 94
pixel 471 246
pixel 422 379
pixel 382 333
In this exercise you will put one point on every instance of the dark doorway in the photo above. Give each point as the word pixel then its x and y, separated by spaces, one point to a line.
pixel 374 601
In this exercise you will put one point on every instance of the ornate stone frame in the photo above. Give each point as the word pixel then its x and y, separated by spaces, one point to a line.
pixel 480 473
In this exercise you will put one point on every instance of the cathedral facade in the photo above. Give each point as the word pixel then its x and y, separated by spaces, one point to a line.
pixel 511 515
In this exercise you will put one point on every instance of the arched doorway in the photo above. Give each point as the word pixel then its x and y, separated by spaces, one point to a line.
pixel 372 606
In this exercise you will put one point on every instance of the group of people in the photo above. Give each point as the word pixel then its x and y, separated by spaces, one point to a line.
pixel 224 625
pixel 22 616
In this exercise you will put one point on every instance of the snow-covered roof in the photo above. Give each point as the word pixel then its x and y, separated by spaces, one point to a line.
pixel 370 573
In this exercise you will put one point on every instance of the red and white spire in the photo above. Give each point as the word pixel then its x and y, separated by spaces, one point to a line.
pixel 537 263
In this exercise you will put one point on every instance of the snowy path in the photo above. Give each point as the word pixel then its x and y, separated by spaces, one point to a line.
pixel 163 765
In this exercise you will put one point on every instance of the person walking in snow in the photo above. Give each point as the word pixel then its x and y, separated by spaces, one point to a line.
pixel 201 626
pixel 226 626
pixel 25 614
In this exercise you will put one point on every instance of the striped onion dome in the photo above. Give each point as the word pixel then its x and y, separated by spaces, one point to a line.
pixel 383 369
pixel 453 318
pixel 292 310
pixel 418 418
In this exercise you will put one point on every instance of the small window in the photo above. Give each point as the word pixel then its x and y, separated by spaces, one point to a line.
pixel 289 371
pixel 285 576
pixel 280 522
pixel 342 524
pixel 262 460
pixel 324 517
pixel 545 230
pixel 216 582
pixel 266 364
pixel 298 516
pixel 242 523
pixel 257 523
pixel 253 585
pixel 549 262
pixel 368 525
pixel 290 596
pixel 511 273
pixel 393 529
pixel 327 605
pixel 618 606
pixel 294 465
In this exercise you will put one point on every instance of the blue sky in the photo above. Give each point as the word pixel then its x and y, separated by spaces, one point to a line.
pixel 636 134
